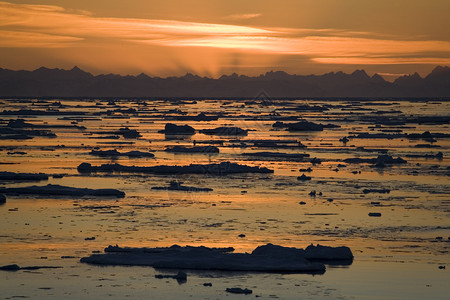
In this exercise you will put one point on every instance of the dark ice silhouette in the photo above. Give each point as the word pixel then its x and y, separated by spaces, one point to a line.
pixel 265 258
pixel 59 190
pixel 178 186
pixel 223 168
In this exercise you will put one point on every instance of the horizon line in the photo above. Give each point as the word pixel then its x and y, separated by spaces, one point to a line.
pixel 75 67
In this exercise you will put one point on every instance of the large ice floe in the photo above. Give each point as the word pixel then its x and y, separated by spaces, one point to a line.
pixel 59 190
pixel 223 168
pixel 266 258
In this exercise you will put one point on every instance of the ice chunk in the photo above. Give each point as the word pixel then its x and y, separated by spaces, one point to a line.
pixel 325 253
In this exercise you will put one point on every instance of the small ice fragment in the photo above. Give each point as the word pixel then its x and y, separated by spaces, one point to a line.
pixel 374 214
pixel 239 291
pixel 10 268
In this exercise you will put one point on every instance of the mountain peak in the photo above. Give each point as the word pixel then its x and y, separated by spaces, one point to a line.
pixel 439 72
pixel 440 69
pixel 408 79
pixel 44 69
pixel 142 76
pixel 377 78
pixel 191 76
pixel 276 75
pixel 360 74
pixel 234 75
pixel 416 76
pixel 76 69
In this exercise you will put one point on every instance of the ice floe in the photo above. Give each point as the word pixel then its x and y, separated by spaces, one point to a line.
pixel 266 258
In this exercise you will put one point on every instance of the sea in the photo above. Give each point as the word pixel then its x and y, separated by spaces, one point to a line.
pixel 376 179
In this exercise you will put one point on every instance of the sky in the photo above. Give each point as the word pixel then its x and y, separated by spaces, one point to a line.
pixel 211 38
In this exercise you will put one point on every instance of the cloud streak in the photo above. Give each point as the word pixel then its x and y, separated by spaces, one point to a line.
pixel 45 26
pixel 35 39
pixel 242 16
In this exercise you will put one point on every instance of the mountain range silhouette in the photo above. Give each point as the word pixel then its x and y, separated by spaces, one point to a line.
pixel 44 82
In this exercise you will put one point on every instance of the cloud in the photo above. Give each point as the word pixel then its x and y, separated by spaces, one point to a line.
pixel 242 16
pixel 46 26
pixel 381 61
pixel 55 20
pixel 34 39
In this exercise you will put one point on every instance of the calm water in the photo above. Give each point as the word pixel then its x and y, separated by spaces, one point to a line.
pixel 397 255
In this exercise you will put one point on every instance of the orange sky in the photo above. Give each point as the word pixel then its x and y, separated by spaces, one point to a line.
pixel 172 37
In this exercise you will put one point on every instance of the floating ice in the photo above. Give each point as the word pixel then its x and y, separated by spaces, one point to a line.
pixel 266 258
